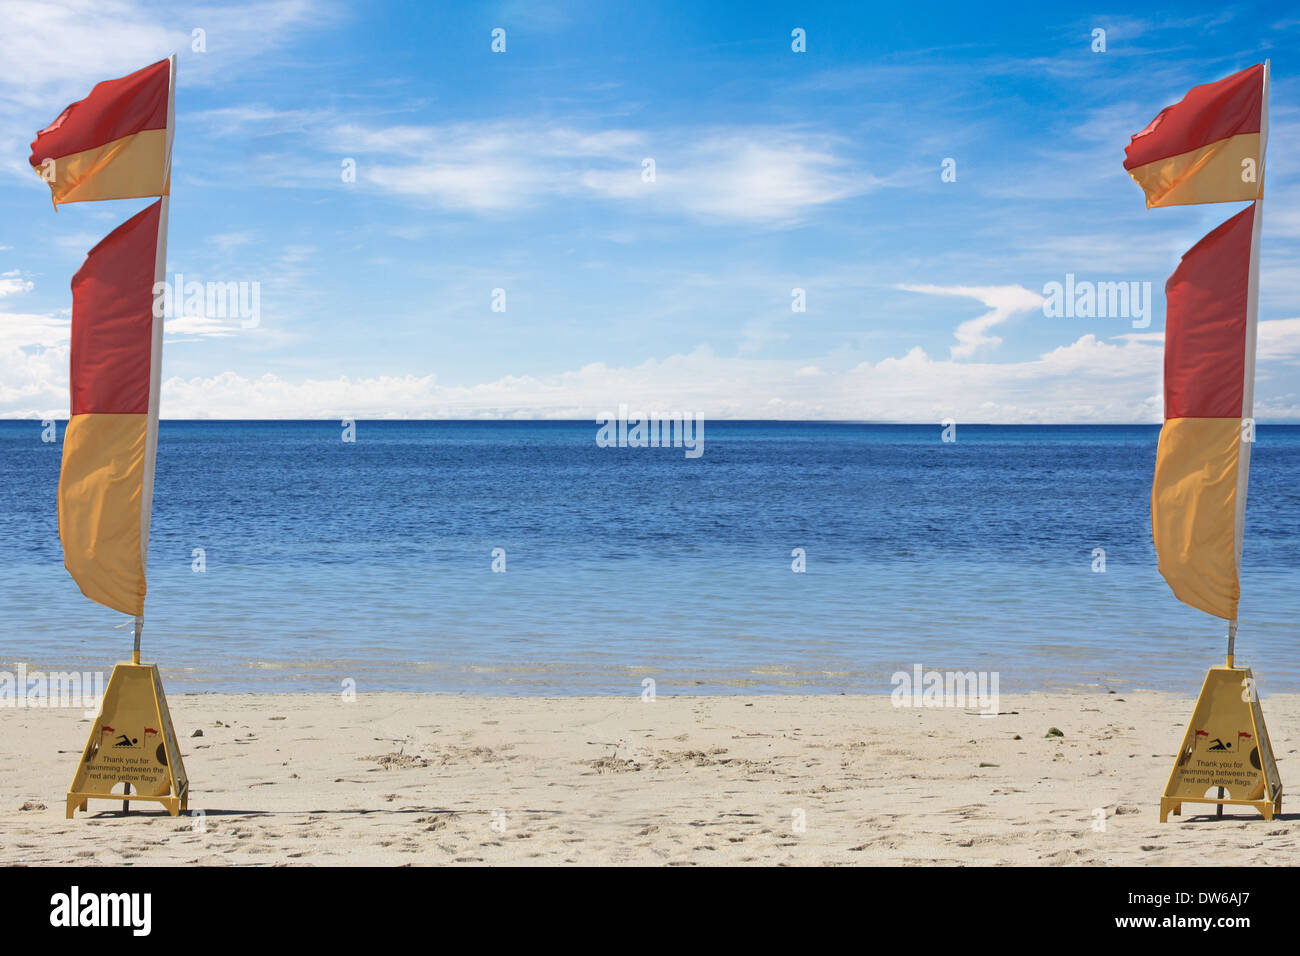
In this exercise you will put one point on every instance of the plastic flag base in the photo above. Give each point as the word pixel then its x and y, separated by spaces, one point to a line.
pixel 132 742
pixel 1226 750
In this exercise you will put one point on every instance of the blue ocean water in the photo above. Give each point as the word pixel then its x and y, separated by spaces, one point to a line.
pixel 372 561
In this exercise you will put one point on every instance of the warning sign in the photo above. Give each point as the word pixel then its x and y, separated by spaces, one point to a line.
pixel 132 742
pixel 1226 757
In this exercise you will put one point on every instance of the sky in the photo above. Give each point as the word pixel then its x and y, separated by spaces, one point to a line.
pixel 519 179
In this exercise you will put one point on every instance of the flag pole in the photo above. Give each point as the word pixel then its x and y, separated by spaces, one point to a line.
pixel 155 353
pixel 1248 378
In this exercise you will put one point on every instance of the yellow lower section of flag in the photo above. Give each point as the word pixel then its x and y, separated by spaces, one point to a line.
pixel 130 167
pixel 1223 171
pixel 1194 512
pixel 100 492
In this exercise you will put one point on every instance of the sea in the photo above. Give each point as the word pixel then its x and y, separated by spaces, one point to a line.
pixel 522 558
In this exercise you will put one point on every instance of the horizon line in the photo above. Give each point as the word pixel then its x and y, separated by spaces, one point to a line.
pixel 594 420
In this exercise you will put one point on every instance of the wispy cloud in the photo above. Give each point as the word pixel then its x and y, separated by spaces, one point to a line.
pixel 744 175
pixel 756 175
pixel 200 327
pixel 1003 302
pixel 52 53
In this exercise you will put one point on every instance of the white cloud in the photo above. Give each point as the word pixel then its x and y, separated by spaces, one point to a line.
pixel 1089 380
pixel 11 283
pixel 28 331
pixel 226 241
pixel 33 365
pixel 246 121
pixel 1278 339
pixel 1002 301
pixel 198 326
pixel 479 187
pixel 748 175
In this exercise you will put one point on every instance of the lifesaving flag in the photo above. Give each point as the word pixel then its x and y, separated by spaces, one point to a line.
pixel 106 485
pixel 1205 148
pixel 1209 147
pixel 1198 497
pixel 113 144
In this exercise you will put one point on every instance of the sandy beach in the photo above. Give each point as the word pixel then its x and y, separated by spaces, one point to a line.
pixel 406 779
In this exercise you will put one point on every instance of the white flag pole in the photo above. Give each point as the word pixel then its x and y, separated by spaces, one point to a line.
pixel 155 353
pixel 1248 377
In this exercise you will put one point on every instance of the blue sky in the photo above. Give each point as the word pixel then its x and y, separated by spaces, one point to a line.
pixel 522 171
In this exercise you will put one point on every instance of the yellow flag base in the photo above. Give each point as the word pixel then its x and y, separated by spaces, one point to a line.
pixel 1226 750
pixel 132 742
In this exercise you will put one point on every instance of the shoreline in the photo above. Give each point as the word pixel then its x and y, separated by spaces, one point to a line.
pixel 419 678
pixel 416 778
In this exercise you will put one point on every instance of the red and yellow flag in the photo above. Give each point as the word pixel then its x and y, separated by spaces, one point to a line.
pixel 1206 147
pixel 1209 147
pixel 1199 494
pixel 111 145
pixel 106 486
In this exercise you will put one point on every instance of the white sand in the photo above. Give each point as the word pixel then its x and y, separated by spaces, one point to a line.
pixel 304 779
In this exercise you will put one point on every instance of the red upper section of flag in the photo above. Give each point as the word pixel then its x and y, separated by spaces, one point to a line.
pixel 114 108
pixel 112 320
pixel 1205 115
pixel 1205 324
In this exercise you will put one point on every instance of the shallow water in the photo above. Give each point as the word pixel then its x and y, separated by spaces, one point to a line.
pixel 372 561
